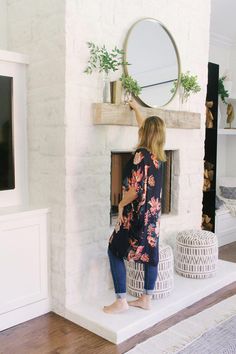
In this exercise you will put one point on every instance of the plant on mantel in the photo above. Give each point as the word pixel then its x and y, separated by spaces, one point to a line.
pixel 130 86
pixel 104 61
pixel 188 84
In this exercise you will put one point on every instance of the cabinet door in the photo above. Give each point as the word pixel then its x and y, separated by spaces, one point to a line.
pixel 23 262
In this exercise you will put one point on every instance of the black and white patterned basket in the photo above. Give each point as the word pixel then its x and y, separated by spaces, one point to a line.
pixel 196 254
pixel 165 279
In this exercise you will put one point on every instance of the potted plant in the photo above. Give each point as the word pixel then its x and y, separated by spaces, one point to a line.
pixel 104 61
pixel 130 86
pixel 188 85
pixel 221 89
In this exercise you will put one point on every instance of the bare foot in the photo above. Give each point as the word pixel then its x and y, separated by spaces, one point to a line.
pixel 120 305
pixel 143 302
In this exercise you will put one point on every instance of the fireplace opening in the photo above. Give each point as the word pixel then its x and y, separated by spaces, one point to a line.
pixel 118 163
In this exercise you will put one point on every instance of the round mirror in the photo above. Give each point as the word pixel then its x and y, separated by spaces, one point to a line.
pixel 154 59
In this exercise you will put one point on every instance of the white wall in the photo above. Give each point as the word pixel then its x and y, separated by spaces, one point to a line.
pixel 230 156
pixel 69 156
pixel 38 29
pixel 232 68
pixel 219 53
pixel 3 24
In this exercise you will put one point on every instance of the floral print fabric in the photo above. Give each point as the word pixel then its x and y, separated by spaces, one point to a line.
pixel 137 237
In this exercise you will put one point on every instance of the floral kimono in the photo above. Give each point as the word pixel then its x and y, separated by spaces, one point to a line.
pixel 137 237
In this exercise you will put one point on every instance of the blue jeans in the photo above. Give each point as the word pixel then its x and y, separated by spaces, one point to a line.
pixel 118 272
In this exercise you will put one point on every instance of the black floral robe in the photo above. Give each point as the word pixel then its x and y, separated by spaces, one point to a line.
pixel 137 237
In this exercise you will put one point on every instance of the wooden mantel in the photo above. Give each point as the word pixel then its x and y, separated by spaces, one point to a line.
pixel 121 114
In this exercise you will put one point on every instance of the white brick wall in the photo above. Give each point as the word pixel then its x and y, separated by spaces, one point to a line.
pixel 69 157
pixel 38 29
pixel 88 147
pixel 3 24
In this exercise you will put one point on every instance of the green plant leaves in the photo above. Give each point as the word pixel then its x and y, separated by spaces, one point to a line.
pixel 130 85
pixel 221 89
pixel 189 83
pixel 104 61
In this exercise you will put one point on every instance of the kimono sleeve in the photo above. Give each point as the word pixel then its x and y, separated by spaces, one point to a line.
pixel 138 174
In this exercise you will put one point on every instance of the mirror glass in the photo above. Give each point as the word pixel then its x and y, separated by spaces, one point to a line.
pixel 154 59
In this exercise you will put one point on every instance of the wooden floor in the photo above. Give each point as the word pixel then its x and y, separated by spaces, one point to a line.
pixel 53 334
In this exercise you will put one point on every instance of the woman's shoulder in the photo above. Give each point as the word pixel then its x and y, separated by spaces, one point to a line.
pixel 144 151
pixel 145 155
pixel 141 154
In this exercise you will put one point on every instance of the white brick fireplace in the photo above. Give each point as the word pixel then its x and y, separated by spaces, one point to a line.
pixel 69 156
pixel 88 147
pixel 88 218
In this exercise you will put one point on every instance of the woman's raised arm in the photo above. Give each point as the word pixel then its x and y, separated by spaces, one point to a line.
pixel 139 117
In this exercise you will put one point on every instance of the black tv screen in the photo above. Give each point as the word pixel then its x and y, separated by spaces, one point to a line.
pixel 7 174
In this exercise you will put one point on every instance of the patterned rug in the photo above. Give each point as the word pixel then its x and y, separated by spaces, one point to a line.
pixel 219 340
pixel 212 331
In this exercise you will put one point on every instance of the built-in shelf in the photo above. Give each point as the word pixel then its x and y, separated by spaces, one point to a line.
pixel 227 131
pixel 121 114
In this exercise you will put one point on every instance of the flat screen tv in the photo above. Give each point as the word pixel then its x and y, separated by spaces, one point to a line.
pixel 7 173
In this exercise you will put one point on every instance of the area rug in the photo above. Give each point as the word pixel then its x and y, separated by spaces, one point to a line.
pixel 219 340
pixel 212 331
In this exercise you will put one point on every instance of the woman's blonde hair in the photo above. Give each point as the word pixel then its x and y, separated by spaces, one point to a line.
pixel 152 136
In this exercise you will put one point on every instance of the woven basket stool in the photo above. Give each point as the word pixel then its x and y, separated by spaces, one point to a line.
pixel 196 254
pixel 165 279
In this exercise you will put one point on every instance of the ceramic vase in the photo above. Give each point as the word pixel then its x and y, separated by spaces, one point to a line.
pixel 106 93
pixel 183 100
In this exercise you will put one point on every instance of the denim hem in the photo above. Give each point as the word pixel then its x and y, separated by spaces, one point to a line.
pixel 121 295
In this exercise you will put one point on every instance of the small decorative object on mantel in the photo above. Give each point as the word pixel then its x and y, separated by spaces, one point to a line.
pixel 188 85
pixel 103 61
pixel 131 87
pixel 230 115
pixel 209 115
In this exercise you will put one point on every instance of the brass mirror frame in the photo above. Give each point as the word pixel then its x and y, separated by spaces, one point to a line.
pixel 176 51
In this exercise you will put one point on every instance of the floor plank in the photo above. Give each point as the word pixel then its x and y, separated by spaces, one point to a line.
pixel 55 335
pixel 228 252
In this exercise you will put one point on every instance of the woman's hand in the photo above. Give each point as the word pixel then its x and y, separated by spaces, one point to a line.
pixel 133 105
pixel 120 213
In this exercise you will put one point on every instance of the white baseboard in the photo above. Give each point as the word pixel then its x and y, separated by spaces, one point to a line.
pixel 25 313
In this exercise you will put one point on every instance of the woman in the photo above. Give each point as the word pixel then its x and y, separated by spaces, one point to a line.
pixel 136 234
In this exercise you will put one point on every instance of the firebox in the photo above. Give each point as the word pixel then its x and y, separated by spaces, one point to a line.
pixel 118 163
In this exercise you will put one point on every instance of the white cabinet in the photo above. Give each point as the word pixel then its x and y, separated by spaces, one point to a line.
pixel 23 266
pixel 225 227
pixel 24 251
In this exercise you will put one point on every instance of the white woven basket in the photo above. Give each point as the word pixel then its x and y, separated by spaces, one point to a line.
pixel 196 254
pixel 165 279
